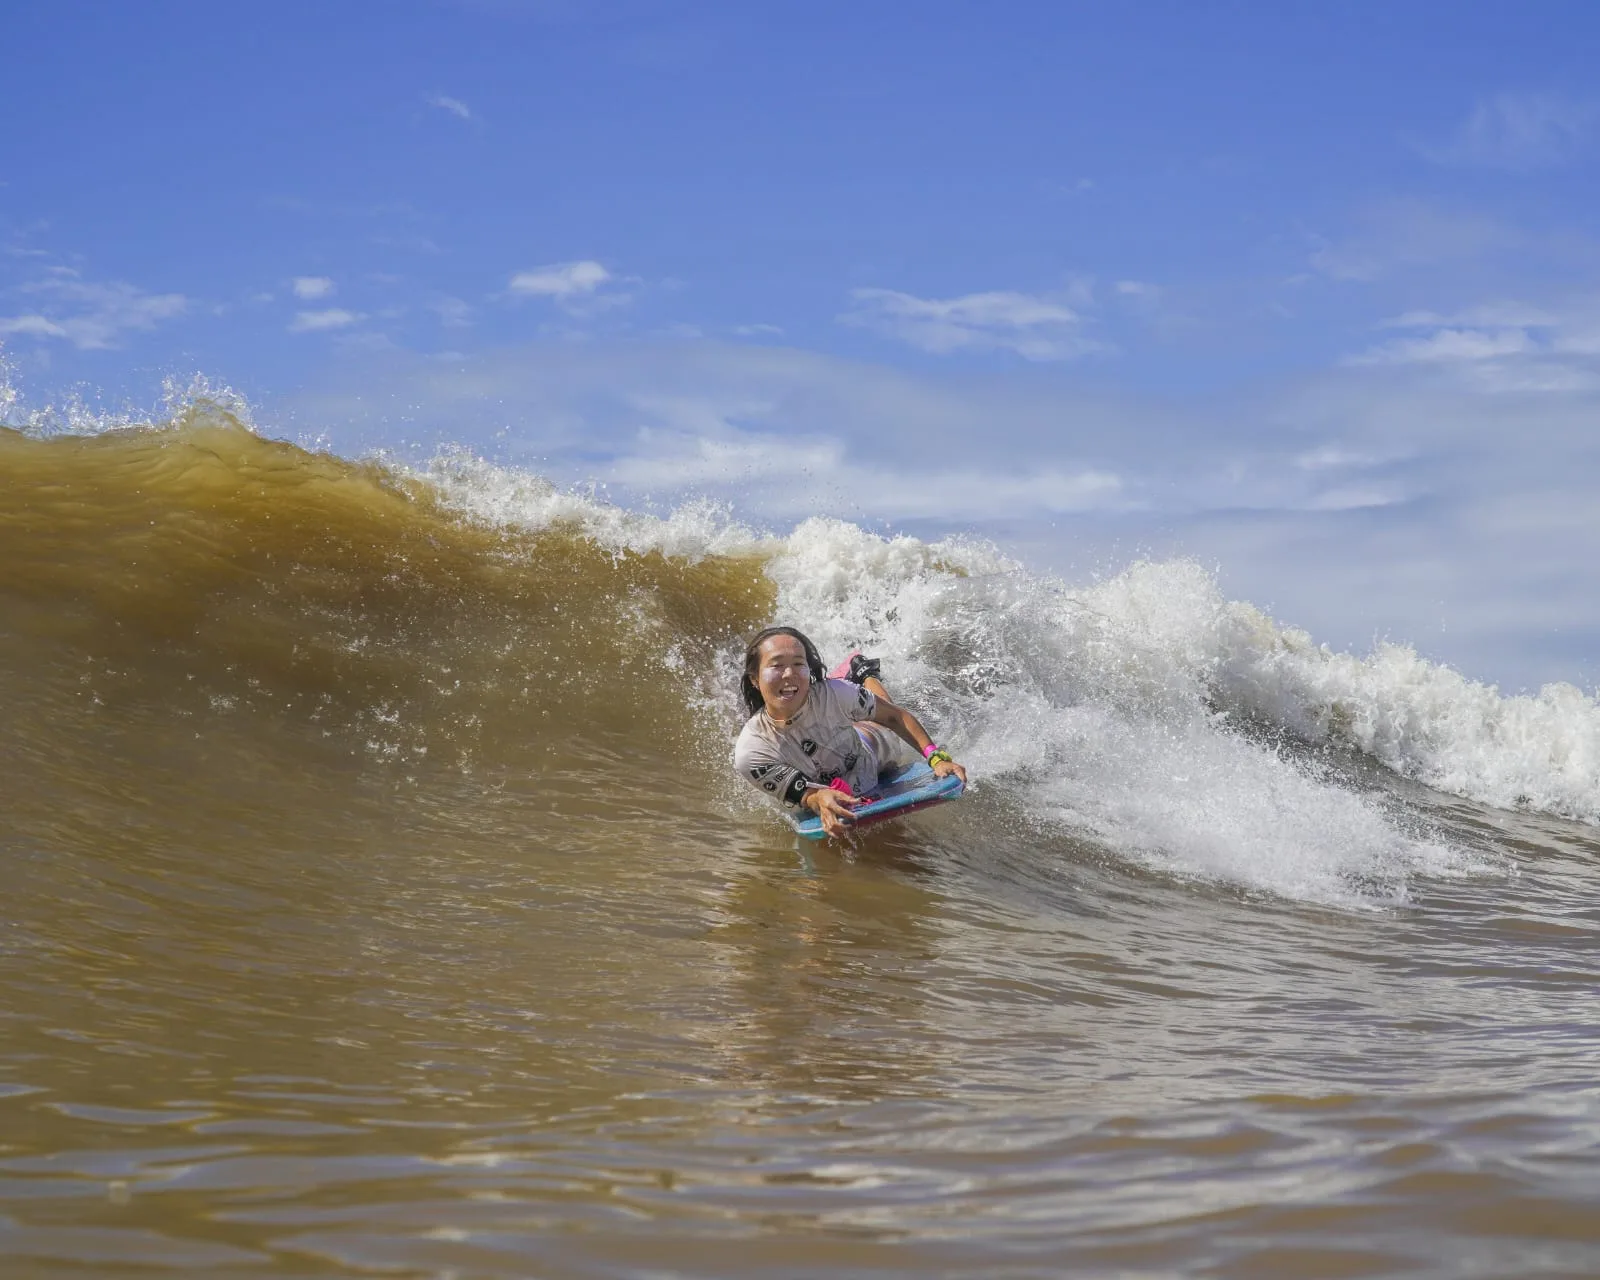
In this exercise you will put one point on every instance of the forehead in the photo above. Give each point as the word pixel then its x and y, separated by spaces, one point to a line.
pixel 781 647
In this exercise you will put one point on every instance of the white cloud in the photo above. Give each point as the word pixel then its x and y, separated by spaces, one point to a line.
pixel 1449 345
pixel 1500 346
pixel 1034 327
pixel 560 280
pixel 1520 132
pixel 36 325
pixel 1331 457
pixel 1578 337
pixel 1406 235
pixel 1355 497
pixel 822 477
pixel 1493 315
pixel 318 321
pixel 453 313
pixel 309 287
pixel 90 315
pixel 454 106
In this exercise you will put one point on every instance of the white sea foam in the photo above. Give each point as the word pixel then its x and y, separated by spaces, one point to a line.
pixel 1131 710
pixel 509 498
pixel 1099 708
pixel 196 397
pixel 1160 642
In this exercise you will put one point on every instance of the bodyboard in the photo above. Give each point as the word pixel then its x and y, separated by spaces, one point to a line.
pixel 915 787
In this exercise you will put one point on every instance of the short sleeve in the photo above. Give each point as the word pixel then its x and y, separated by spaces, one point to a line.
pixel 855 700
pixel 759 764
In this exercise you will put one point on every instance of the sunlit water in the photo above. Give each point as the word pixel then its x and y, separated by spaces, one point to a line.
pixel 377 901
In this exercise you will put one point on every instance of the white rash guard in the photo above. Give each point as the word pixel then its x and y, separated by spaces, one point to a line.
pixel 827 740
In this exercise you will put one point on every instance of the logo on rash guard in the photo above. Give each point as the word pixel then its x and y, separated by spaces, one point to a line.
pixel 808 746
pixel 761 771
pixel 850 761
pixel 795 789
pixel 770 786
pixel 863 698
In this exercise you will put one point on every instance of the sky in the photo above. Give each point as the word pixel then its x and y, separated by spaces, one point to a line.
pixel 1308 293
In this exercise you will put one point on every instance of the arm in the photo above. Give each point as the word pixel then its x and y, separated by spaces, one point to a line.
pixel 762 768
pixel 910 728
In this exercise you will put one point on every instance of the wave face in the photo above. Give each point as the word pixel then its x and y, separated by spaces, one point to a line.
pixel 378 898
pixel 196 582
pixel 178 595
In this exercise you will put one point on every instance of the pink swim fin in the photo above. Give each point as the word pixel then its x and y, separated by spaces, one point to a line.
pixel 842 671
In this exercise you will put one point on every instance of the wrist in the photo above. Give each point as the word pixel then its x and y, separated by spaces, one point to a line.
pixel 929 749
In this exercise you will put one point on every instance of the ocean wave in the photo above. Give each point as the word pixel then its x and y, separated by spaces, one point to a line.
pixel 1145 712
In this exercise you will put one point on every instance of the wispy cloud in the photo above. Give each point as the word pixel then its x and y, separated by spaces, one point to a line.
pixel 453 313
pixel 584 287
pixel 1034 327
pixel 454 106
pixel 560 280
pixel 764 467
pixel 36 325
pixel 1448 346
pixel 1499 346
pixel 89 314
pixel 319 321
pixel 309 287
pixel 1491 315
pixel 1408 234
pixel 1138 289
pixel 1520 132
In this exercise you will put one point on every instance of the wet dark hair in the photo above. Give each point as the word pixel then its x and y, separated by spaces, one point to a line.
pixel 748 689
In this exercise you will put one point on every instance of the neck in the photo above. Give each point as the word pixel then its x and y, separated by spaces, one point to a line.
pixel 794 715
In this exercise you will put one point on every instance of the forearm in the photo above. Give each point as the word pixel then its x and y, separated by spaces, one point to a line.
pixel 906 725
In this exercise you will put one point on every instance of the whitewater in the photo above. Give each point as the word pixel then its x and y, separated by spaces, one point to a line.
pixel 1178 726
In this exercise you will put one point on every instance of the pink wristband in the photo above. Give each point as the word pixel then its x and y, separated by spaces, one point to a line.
pixel 929 749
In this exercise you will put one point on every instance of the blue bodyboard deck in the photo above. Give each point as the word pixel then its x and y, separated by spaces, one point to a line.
pixel 915 787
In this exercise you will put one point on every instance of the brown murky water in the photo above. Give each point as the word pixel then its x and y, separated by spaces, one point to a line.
pixel 375 902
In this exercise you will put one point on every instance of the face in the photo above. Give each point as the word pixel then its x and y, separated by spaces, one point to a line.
pixel 783 677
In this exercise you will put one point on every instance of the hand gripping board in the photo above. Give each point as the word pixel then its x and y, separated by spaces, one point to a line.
pixel 915 787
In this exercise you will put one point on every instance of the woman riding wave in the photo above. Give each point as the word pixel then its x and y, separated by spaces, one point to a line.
pixel 819 742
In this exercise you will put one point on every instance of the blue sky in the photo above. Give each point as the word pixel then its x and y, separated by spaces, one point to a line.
pixel 1311 293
